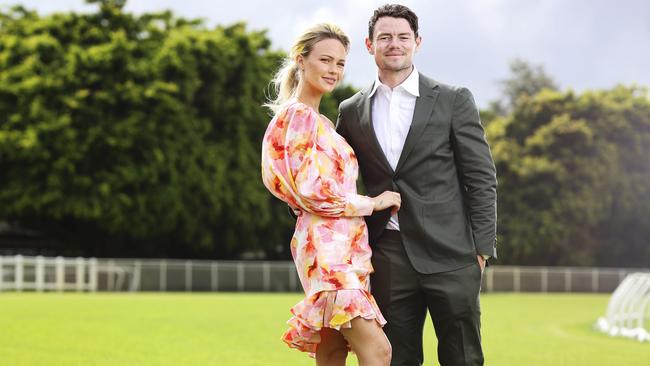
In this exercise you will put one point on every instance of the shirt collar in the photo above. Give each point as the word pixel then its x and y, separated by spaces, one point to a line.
pixel 411 84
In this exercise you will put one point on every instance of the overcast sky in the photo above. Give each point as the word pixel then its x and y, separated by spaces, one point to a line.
pixel 581 43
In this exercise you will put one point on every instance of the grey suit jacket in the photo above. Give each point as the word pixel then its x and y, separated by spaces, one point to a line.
pixel 445 175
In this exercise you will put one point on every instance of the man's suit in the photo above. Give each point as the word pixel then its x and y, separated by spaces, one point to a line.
pixel 447 182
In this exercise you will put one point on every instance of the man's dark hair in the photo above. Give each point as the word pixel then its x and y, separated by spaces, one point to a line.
pixel 395 11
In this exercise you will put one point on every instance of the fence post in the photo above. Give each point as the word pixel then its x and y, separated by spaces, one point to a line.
pixel 489 284
pixel 110 276
pixel 214 276
pixel 2 274
pixel 292 277
pixel 544 280
pixel 18 273
pixel 266 272
pixel 188 275
pixel 92 274
pixel 137 272
pixel 516 279
pixel 567 279
pixel 621 276
pixel 79 274
pixel 60 273
pixel 40 273
pixel 240 276
pixel 163 275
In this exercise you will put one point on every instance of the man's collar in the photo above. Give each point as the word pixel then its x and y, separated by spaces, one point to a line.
pixel 375 86
pixel 411 84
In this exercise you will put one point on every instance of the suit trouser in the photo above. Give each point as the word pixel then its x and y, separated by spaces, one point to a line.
pixel 404 295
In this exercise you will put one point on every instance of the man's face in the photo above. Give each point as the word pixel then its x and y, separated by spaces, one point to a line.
pixel 393 44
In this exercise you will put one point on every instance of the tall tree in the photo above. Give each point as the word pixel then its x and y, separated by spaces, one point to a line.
pixel 525 79
pixel 573 178
pixel 134 135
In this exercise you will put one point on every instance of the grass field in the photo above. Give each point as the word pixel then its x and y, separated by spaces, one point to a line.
pixel 244 329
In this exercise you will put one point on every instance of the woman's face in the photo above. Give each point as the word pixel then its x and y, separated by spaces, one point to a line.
pixel 323 67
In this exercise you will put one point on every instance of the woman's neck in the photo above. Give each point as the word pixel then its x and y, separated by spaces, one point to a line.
pixel 309 96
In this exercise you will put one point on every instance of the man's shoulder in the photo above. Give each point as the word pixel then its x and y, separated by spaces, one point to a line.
pixel 352 101
pixel 442 87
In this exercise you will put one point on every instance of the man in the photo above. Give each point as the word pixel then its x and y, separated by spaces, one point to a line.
pixel 423 139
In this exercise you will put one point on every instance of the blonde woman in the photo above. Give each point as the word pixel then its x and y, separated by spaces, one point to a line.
pixel 309 166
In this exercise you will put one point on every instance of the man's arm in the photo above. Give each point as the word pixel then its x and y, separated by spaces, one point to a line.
pixel 340 125
pixel 477 171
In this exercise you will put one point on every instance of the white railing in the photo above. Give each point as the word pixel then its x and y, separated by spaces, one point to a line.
pixel 18 273
pixel 554 279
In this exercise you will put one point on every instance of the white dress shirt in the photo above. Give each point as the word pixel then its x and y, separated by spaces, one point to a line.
pixel 392 113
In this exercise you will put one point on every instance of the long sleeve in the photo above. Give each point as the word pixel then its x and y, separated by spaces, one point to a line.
pixel 313 167
pixel 477 171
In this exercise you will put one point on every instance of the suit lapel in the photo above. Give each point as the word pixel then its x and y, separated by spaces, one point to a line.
pixel 421 116
pixel 364 108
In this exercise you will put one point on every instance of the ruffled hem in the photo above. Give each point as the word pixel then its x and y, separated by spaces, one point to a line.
pixel 329 309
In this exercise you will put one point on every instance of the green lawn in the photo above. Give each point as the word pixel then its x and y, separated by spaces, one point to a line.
pixel 244 329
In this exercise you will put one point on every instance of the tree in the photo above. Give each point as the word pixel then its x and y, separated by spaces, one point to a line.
pixel 573 178
pixel 525 80
pixel 134 135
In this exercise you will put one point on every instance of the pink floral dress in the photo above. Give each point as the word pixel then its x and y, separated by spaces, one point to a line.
pixel 306 164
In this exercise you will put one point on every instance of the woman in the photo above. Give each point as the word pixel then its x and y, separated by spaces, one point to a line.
pixel 309 166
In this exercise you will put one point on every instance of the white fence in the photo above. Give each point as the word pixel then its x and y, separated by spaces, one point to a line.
pixel 18 273
pixel 39 273
pixel 554 279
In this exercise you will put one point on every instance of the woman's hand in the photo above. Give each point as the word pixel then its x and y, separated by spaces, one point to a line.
pixel 386 200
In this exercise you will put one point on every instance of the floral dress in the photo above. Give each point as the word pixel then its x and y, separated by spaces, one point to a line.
pixel 306 164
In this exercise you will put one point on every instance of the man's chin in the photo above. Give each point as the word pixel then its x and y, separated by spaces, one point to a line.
pixel 396 67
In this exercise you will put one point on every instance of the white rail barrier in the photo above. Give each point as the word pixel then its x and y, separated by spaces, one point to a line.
pixel 21 273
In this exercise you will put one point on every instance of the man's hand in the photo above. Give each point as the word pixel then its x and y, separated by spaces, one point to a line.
pixel 387 199
pixel 481 262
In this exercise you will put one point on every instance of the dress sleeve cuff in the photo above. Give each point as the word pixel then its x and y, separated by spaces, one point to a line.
pixel 358 205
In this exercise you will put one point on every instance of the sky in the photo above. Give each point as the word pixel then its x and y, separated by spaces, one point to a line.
pixel 582 44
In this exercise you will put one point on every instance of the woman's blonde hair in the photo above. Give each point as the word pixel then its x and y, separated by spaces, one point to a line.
pixel 285 81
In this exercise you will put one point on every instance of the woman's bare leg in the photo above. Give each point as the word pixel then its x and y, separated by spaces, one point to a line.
pixel 332 350
pixel 369 342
